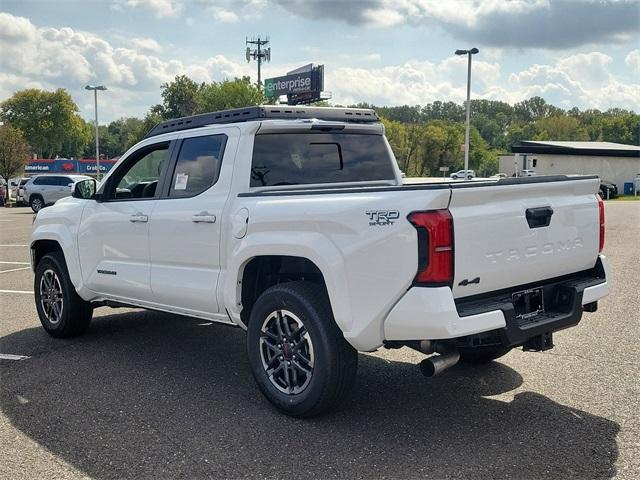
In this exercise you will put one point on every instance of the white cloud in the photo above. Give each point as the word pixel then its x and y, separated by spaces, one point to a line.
pixel 160 8
pixel 146 45
pixel 225 16
pixel 633 60
pixel 590 69
pixel 581 80
pixel 51 58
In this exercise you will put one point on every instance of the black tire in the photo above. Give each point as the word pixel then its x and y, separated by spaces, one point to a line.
pixel 455 177
pixel 482 354
pixel 335 362
pixel 74 314
pixel 469 177
pixel 36 202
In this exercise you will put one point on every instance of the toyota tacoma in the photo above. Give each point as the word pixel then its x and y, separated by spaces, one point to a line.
pixel 293 224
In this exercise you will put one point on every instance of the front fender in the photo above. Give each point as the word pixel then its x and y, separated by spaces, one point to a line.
pixel 310 245
pixel 59 223
pixel 64 237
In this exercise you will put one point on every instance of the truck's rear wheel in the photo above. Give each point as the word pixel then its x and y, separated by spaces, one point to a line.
pixel 61 310
pixel 482 354
pixel 298 355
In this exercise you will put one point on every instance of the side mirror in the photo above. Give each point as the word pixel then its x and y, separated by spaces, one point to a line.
pixel 85 189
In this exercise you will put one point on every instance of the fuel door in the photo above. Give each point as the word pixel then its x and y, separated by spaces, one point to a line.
pixel 240 223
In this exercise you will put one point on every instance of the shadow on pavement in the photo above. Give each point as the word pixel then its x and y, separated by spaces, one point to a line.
pixel 146 394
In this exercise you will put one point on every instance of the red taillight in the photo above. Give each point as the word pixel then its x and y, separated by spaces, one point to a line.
pixel 601 215
pixel 435 247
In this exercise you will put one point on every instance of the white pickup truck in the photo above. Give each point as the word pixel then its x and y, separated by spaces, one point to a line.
pixel 293 223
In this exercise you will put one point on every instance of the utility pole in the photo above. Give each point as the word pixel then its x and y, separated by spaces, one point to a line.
pixel 258 53
pixel 469 53
pixel 95 89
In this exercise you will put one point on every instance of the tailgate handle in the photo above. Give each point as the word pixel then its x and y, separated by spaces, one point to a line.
pixel 539 217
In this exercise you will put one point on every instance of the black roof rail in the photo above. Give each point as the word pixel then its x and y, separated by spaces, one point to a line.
pixel 263 112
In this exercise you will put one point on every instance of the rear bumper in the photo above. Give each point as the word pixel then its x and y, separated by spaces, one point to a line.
pixel 433 314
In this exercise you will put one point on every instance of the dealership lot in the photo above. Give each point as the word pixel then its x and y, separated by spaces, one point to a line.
pixel 149 394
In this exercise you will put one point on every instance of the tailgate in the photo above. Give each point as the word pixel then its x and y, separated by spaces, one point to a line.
pixel 499 245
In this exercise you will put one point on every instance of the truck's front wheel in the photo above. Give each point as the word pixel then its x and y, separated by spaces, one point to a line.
pixel 61 310
pixel 298 355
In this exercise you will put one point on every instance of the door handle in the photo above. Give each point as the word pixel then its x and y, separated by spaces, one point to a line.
pixel 539 217
pixel 139 217
pixel 203 217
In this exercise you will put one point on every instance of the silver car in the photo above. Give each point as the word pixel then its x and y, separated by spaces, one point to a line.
pixel 43 190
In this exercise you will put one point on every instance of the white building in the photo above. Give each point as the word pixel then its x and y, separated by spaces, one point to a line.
pixel 613 162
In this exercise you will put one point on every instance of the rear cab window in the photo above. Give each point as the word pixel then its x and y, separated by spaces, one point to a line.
pixel 317 158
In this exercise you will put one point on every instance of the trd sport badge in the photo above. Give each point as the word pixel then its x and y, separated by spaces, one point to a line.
pixel 382 217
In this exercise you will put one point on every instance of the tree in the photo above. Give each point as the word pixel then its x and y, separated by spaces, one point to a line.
pixel 14 153
pixel 183 97
pixel 236 93
pixel 179 98
pixel 560 128
pixel 535 108
pixel 621 128
pixel 48 120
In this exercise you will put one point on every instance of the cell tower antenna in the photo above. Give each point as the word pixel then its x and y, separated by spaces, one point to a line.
pixel 256 52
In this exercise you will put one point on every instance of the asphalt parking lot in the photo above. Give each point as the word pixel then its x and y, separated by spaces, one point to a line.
pixel 147 394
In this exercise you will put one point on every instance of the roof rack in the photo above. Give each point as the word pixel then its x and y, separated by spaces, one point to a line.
pixel 352 115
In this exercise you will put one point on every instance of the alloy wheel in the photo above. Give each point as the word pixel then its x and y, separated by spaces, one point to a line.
pixel 286 352
pixel 51 298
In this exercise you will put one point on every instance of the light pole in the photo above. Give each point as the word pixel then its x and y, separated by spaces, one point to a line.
pixel 95 89
pixel 470 52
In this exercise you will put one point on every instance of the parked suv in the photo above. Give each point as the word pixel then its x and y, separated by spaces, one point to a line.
pixel 19 192
pixel 294 225
pixel 43 190
pixel 468 174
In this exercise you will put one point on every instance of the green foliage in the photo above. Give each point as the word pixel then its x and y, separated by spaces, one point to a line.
pixel 183 97
pixel 239 92
pixel 48 120
pixel 14 152
pixel 561 128
pixel 423 138
pixel 621 128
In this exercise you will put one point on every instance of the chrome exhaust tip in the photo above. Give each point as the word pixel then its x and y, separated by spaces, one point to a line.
pixel 436 364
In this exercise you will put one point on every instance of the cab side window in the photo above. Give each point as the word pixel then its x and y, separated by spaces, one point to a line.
pixel 198 165
pixel 137 178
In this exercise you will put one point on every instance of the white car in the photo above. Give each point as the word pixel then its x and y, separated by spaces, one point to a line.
pixel 43 190
pixel 294 225
pixel 527 173
pixel 467 174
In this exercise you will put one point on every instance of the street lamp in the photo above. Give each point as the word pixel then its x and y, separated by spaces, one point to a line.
pixel 470 52
pixel 95 89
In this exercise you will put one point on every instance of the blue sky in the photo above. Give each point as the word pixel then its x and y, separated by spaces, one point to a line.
pixel 581 53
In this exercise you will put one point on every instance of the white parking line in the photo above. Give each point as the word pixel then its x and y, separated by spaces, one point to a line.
pixel 15 263
pixel 13 245
pixel 15 270
pixel 8 356
pixel 28 292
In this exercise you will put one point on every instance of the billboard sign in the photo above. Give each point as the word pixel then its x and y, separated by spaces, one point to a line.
pixel 306 82
pixel 83 166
